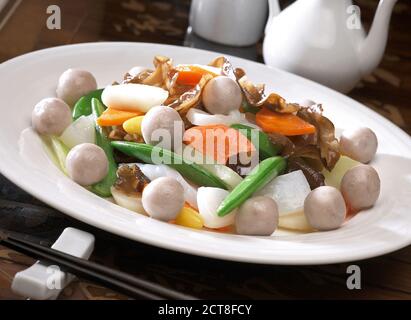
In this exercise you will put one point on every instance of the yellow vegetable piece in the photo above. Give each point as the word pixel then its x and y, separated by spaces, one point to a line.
pixel 190 218
pixel 295 221
pixel 133 125
pixel 334 177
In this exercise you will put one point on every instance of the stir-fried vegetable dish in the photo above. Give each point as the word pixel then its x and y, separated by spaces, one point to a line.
pixel 202 146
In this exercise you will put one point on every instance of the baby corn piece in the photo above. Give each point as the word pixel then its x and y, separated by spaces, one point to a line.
pixel 133 125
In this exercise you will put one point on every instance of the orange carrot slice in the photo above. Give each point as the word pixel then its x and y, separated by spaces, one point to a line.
pixel 286 124
pixel 114 117
pixel 218 141
pixel 227 229
pixel 188 77
pixel 191 75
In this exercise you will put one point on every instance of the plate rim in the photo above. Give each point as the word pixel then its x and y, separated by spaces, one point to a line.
pixel 406 139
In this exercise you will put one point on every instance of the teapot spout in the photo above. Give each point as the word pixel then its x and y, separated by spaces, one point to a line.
pixel 372 48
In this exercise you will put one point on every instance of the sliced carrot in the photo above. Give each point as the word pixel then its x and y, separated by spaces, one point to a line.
pixel 218 141
pixel 188 77
pixel 286 124
pixel 227 229
pixel 191 75
pixel 187 205
pixel 114 117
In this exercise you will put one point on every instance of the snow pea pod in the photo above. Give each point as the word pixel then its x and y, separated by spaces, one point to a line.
pixel 83 105
pixel 260 140
pixel 103 187
pixel 192 171
pixel 267 170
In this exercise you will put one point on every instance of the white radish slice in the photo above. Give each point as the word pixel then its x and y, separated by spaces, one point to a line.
pixel 295 221
pixel 130 202
pixel 202 118
pixel 226 174
pixel 208 200
pixel 80 131
pixel 289 191
pixel 133 97
pixel 153 172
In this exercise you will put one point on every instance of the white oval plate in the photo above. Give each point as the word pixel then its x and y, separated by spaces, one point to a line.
pixel 27 79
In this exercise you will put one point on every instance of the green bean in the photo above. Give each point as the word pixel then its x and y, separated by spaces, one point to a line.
pixel 103 187
pixel 83 105
pixel 193 172
pixel 267 170
pixel 260 140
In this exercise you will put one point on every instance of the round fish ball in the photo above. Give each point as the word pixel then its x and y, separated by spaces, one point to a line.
pixel 87 164
pixel 51 116
pixel 257 216
pixel 163 198
pixel 359 144
pixel 325 208
pixel 360 187
pixel 162 126
pixel 222 95
pixel 75 83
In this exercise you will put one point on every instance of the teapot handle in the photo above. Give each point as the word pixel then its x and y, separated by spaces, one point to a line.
pixel 274 10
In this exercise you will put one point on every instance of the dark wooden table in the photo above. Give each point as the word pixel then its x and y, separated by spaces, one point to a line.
pixel 387 90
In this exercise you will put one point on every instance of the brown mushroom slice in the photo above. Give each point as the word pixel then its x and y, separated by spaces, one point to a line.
pixel 161 76
pixel 190 98
pixel 255 96
pixel 325 134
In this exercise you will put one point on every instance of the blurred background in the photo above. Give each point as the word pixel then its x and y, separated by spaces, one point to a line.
pixel 23 29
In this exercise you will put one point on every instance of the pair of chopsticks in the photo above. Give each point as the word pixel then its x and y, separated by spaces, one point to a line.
pixel 117 280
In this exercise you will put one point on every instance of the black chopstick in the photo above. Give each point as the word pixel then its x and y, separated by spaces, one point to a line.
pixel 118 280
pixel 83 272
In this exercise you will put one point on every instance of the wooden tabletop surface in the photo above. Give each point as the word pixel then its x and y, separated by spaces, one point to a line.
pixel 387 90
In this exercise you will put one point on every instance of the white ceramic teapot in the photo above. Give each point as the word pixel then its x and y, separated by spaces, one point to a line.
pixel 323 40
pixel 231 22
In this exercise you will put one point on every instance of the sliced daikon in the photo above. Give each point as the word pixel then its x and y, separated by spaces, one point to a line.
pixel 80 131
pixel 208 200
pixel 228 175
pixel 133 97
pixel 202 118
pixel 130 202
pixel 289 191
pixel 295 221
